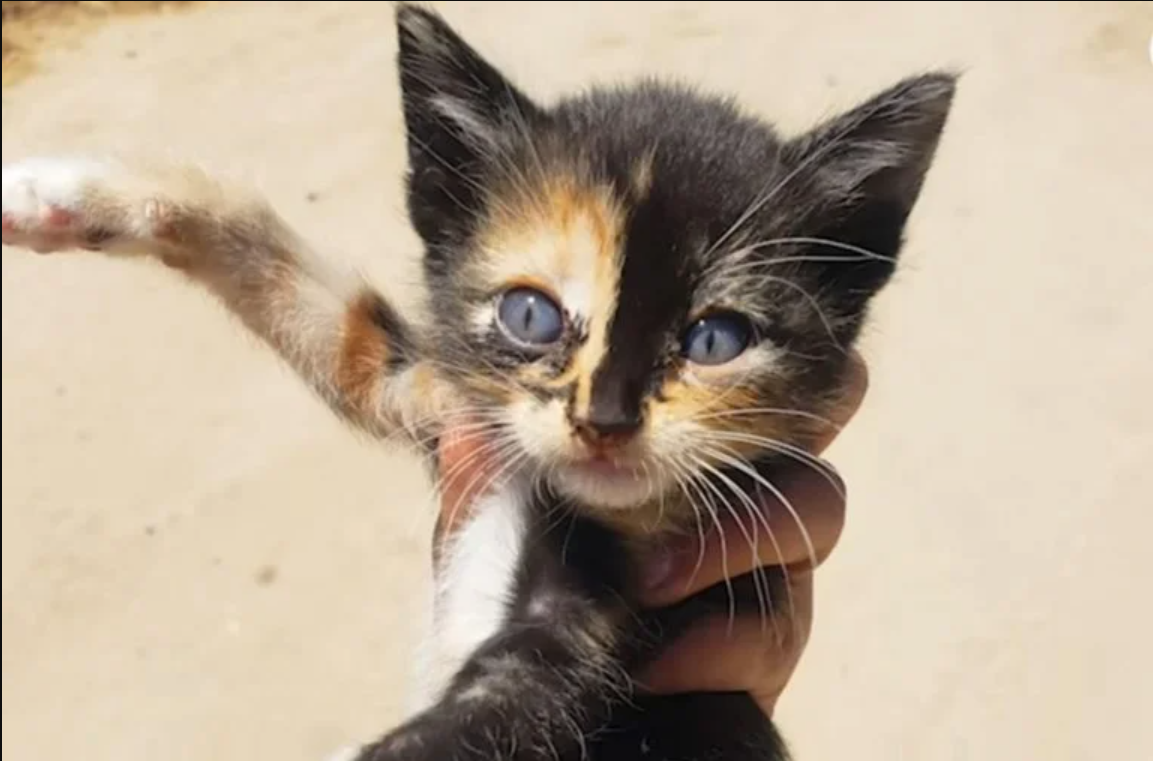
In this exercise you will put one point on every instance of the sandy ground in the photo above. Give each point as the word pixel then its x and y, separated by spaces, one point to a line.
pixel 198 563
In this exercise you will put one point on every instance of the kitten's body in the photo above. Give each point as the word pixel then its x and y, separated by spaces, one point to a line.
pixel 641 295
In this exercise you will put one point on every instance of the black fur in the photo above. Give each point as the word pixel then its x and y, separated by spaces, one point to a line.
pixel 556 687
pixel 548 695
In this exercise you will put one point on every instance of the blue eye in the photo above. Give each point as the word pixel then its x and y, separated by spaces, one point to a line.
pixel 717 339
pixel 530 317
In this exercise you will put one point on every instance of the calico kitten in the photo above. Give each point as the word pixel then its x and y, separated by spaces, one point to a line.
pixel 642 296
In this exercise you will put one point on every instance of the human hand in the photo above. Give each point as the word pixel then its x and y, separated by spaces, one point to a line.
pixel 743 655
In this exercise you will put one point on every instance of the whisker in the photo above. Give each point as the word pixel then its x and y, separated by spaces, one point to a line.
pixel 862 253
pixel 466 431
pixel 747 411
pixel 719 398
pixel 711 510
pixel 505 448
pixel 789 600
pixel 789 450
pixel 738 462
pixel 760 520
pixel 685 485
pixel 812 158
pixel 813 303
pixel 494 447
pixel 662 476
pixel 760 581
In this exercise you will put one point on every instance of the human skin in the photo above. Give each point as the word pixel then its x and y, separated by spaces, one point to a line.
pixel 744 654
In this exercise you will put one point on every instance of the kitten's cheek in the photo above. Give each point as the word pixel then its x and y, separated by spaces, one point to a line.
pixel 541 430
pixel 856 386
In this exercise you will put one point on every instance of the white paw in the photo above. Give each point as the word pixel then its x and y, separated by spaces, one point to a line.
pixel 57 204
pixel 44 202
pixel 58 181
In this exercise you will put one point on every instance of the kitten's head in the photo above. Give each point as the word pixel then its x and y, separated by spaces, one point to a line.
pixel 637 284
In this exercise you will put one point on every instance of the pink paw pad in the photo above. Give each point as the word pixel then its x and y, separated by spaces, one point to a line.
pixel 54 216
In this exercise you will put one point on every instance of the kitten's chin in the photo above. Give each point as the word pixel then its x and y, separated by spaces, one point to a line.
pixel 604 486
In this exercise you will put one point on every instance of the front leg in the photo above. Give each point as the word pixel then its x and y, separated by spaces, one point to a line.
pixel 534 627
pixel 532 694
pixel 342 338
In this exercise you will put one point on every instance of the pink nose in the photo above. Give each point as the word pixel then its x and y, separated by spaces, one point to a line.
pixel 604 436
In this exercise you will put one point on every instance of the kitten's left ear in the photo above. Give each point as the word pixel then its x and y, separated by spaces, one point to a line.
pixel 866 169
pixel 457 109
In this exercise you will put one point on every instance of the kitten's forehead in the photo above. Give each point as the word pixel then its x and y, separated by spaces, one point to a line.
pixel 698 157
pixel 589 207
pixel 656 173
pixel 562 232
pixel 618 207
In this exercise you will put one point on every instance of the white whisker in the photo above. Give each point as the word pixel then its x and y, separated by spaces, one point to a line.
pixel 711 509
pixel 685 479
pixel 502 450
pixel 780 447
pixel 760 583
pixel 862 253
pixel 746 411
pixel 739 463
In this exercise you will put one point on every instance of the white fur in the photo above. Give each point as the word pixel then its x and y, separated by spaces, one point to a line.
pixel 473 590
pixel 475 584
pixel 32 184
pixel 458 111
pixel 610 491
pixel 484 317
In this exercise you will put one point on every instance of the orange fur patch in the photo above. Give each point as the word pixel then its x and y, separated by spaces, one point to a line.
pixel 565 236
pixel 708 404
pixel 538 376
pixel 689 400
pixel 364 351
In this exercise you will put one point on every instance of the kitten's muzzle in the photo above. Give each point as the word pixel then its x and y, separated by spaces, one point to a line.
pixel 606 436
pixel 613 416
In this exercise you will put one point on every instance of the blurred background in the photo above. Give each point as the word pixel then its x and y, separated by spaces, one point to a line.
pixel 200 563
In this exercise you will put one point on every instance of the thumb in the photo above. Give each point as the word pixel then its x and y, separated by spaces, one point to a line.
pixel 465 472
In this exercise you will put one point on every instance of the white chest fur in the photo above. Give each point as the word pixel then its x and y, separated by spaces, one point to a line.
pixel 474 586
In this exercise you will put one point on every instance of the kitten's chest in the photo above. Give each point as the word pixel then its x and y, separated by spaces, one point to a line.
pixel 483 567
pixel 476 583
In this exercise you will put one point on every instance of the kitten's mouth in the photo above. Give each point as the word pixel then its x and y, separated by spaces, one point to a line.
pixel 602 466
pixel 604 481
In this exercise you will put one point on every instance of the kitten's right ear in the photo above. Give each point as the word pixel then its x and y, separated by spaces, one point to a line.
pixel 458 109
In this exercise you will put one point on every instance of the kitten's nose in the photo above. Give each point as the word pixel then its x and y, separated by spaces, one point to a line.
pixel 613 416
pixel 606 434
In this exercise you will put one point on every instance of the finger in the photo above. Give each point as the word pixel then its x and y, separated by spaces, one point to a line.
pixel 465 472
pixel 799 523
pixel 750 654
pixel 797 527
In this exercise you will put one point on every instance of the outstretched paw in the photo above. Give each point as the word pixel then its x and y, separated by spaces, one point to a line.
pixel 61 204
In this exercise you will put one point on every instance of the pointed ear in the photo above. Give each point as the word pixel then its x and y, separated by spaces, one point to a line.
pixel 866 169
pixel 458 109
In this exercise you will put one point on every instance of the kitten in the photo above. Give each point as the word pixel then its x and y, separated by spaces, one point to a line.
pixel 642 296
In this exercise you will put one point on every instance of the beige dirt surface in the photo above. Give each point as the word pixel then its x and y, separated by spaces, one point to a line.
pixel 32 25
pixel 199 564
